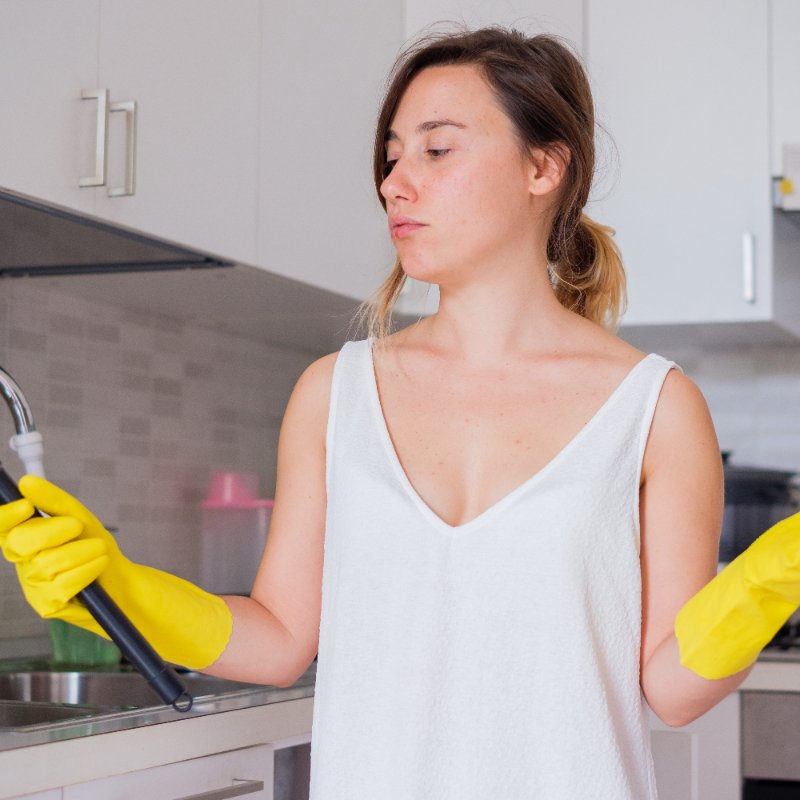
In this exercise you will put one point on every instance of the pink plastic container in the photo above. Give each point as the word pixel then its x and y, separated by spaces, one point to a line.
pixel 235 524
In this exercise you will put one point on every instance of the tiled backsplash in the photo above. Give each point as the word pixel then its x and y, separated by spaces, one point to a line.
pixel 136 412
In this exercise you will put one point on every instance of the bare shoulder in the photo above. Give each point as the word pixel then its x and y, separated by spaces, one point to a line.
pixel 682 430
pixel 681 405
pixel 312 391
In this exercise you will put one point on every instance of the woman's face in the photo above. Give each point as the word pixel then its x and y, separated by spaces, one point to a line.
pixel 461 196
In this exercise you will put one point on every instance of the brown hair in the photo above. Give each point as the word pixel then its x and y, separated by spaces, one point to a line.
pixel 543 90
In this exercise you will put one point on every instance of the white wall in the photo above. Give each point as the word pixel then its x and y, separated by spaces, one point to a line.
pixel 563 17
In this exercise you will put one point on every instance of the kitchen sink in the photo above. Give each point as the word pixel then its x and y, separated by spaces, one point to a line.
pixel 107 689
pixel 19 714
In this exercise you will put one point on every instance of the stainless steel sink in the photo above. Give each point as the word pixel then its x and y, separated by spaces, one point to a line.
pixel 107 689
pixel 19 714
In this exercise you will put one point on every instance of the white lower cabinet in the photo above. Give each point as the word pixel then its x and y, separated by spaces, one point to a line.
pixel 244 773
pixel 700 761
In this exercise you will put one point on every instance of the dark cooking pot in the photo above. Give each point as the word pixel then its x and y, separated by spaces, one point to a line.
pixel 755 499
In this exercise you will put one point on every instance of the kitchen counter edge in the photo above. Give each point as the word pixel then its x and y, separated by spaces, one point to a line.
pixel 77 760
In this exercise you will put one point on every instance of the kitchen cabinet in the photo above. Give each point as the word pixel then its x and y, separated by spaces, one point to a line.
pixel 48 53
pixel 785 67
pixel 690 192
pixel 254 124
pixel 322 71
pixel 685 161
pixel 699 761
pixel 190 67
pixel 170 760
pixel 246 772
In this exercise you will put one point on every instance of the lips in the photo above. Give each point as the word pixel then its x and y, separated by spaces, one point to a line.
pixel 401 227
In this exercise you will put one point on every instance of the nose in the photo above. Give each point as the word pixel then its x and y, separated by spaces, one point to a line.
pixel 399 184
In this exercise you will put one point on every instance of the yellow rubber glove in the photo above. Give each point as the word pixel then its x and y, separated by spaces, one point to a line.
pixel 58 556
pixel 723 628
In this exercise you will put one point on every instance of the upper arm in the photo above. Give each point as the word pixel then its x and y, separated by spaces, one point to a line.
pixel 681 501
pixel 289 579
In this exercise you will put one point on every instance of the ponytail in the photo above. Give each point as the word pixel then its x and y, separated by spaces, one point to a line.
pixel 586 271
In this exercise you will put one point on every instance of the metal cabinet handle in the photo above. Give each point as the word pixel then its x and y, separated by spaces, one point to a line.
pixel 101 137
pixel 749 268
pixel 129 107
pixel 244 787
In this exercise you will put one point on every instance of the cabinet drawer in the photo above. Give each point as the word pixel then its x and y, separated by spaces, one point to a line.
pixel 187 778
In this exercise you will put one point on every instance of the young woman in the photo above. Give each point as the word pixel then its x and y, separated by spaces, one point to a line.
pixel 514 505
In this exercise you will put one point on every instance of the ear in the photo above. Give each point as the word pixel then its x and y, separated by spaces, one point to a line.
pixel 547 168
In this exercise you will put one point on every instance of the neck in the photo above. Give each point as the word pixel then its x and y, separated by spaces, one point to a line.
pixel 494 318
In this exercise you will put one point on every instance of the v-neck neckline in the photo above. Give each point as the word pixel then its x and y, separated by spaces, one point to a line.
pixel 507 499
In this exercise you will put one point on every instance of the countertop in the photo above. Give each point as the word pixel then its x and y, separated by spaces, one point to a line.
pixel 117 743
pixel 49 766
pixel 260 715
pixel 243 696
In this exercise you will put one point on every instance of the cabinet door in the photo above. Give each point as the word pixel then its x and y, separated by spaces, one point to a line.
pixel 322 70
pixel 785 25
pixel 236 769
pixel 48 54
pixel 192 68
pixel 682 90
pixel 699 761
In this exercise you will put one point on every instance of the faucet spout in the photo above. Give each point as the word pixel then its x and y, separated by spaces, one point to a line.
pixel 28 441
pixel 17 404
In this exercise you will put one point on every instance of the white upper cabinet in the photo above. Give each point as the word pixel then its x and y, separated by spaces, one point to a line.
pixel 185 72
pixel 191 66
pixel 785 65
pixel 682 89
pixel 253 122
pixel 323 69
pixel 48 53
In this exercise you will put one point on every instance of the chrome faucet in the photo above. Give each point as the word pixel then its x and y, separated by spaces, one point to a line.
pixel 17 404
pixel 27 442
pixel 28 446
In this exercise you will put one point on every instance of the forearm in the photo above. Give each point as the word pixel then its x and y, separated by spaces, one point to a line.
pixel 676 694
pixel 261 649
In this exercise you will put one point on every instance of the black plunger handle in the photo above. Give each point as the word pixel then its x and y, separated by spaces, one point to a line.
pixel 162 678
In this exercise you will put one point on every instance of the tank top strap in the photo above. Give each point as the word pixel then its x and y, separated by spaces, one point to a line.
pixel 349 417
pixel 654 373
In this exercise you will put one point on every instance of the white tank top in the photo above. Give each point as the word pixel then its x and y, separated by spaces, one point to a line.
pixel 494 660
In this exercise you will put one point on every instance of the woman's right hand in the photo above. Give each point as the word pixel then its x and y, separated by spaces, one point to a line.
pixel 53 560
pixel 58 556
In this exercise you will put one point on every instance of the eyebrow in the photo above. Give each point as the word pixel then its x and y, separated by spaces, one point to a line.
pixel 424 127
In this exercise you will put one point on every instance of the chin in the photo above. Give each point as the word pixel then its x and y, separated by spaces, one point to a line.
pixel 424 273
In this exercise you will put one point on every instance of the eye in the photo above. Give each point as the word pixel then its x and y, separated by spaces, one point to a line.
pixel 435 152
pixel 388 166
